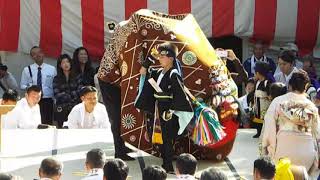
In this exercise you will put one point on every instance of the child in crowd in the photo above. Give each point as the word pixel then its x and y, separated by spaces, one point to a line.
pixel 246 102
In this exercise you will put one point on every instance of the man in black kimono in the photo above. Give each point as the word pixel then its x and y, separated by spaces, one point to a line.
pixel 172 104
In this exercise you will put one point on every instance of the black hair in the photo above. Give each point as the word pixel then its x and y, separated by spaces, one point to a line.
pixel 277 89
pixel 170 48
pixel 5 176
pixel 11 95
pixel 250 80
pixel 33 47
pixel 34 88
pixel 88 66
pixel 60 58
pixel 212 173
pixel 287 56
pixel 298 81
pixel 96 158
pixel 186 164
pixel 50 167
pixel 116 169
pixel 87 89
pixel 154 172
pixel 262 68
pixel 265 166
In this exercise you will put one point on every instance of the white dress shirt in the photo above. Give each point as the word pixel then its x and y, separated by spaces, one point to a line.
pixel 48 72
pixel 22 116
pixel 80 119
pixel 94 174
pixel 281 77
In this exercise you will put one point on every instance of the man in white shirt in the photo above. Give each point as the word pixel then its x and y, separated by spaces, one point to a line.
pixel 41 74
pixel 50 169
pixel 286 64
pixel 90 114
pixel 95 161
pixel 294 49
pixel 26 113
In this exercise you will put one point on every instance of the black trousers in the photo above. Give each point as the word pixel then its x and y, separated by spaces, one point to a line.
pixel 112 100
pixel 46 110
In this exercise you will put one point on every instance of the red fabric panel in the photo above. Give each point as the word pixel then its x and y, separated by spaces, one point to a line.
pixel 9 24
pixel 179 6
pixel 307 25
pixel 132 6
pixel 50 32
pixel 265 20
pixel 93 27
pixel 223 18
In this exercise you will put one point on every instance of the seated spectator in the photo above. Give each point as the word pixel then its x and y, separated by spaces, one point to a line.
pixel 66 87
pixel 26 113
pixel 264 168
pixel 10 97
pixel 212 174
pixel 115 169
pixel 258 55
pixel 286 62
pixel 7 81
pixel 154 172
pixel 50 169
pixel 90 114
pixel 277 89
pixel 186 166
pixel 82 64
pixel 95 161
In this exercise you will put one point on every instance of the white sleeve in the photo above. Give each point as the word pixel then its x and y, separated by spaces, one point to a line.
pixel 38 117
pixel 270 132
pixel 104 124
pixel 25 79
pixel 72 119
pixel 9 121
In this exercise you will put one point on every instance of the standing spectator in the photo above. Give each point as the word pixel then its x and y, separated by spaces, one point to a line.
pixel 7 81
pixel 186 166
pixel 50 169
pixel 293 48
pixel 89 114
pixel 286 63
pixel 277 89
pixel 258 55
pixel 26 114
pixel 264 168
pixel 82 65
pixel 291 126
pixel 154 172
pixel 66 86
pixel 115 169
pixel 310 69
pixel 212 174
pixel 40 74
pixel 95 161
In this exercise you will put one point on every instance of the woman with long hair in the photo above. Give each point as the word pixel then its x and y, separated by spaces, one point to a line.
pixel 66 87
pixel 83 66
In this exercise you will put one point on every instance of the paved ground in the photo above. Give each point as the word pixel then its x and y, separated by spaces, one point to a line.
pixel 22 153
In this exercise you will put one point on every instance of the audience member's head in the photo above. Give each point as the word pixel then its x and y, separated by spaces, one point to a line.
pixel 286 61
pixel 309 66
pixel 33 95
pixel 3 70
pixel 50 168
pixel 262 69
pixel 81 57
pixel 250 85
pixel 6 176
pixel 264 168
pixel 299 81
pixel 186 164
pixel 277 89
pixel 212 173
pixel 154 172
pixel 96 158
pixel 115 169
pixel 89 97
pixel 10 97
pixel 258 49
pixel 37 54
pixel 64 64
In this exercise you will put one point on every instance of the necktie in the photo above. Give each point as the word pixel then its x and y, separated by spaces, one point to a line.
pixel 39 78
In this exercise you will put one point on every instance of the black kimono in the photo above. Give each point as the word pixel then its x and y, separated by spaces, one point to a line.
pixel 173 99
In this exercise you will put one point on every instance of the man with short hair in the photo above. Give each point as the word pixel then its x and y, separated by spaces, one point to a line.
pixel 90 114
pixel 26 113
pixel 10 97
pixel 50 169
pixel 115 169
pixel 293 48
pixel 264 168
pixel 286 64
pixel 41 74
pixel 213 173
pixel 154 172
pixel 95 161
pixel 186 166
